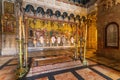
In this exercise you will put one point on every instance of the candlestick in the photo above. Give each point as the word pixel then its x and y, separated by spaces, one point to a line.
pixel 20 43
pixel 84 57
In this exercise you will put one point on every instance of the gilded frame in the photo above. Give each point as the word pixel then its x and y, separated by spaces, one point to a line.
pixel 8 7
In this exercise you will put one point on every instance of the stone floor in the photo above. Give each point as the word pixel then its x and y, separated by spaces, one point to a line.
pixel 8 68
pixel 114 64
pixel 99 68
pixel 73 70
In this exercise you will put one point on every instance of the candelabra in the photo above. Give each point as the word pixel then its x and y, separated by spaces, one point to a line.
pixel 21 37
pixel 83 41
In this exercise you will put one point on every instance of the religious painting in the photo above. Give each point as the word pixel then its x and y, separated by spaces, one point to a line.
pixel 8 7
pixel 112 35
pixel 44 33
pixel 8 26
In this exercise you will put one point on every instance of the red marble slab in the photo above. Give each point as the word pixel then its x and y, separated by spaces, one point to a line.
pixel 108 71
pixel 88 74
pixel 44 78
pixel 53 67
pixel 13 62
pixel 91 62
pixel 8 73
pixel 65 76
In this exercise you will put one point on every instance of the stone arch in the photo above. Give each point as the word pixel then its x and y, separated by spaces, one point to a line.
pixel 29 7
pixel 40 10
pixel 57 13
pixel 64 15
pixel 71 16
pixel 49 12
pixel 77 17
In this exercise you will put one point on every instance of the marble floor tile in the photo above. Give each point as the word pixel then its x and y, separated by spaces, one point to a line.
pixel 117 68
pixel 3 60
pixel 13 62
pixel 65 76
pixel 108 71
pixel 8 73
pixel 44 78
pixel 7 69
pixel 88 74
pixel 8 76
pixel 91 62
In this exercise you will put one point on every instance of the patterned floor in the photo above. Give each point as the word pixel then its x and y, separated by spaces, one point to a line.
pixel 63 69
pixel 93 71
pixel 8 69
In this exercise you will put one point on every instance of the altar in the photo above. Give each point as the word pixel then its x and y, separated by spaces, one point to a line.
pixel 46 34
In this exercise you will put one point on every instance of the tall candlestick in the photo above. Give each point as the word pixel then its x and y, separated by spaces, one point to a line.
pixel 20 43
pixel 85 40
pixel 84 58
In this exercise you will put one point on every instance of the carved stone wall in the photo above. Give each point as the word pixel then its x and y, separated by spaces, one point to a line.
pixel 107 14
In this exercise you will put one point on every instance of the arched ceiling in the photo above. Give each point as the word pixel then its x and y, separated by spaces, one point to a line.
pixel 82 3
pixel 91 2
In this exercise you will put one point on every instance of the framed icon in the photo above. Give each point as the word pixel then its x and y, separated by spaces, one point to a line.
pixel 8 7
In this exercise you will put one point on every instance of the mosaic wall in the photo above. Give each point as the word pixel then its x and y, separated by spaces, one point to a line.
pixel 49 33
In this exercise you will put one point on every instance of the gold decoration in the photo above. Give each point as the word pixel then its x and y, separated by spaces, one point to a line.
pixel 8 7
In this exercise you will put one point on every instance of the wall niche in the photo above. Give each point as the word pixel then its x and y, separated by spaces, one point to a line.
pixel 112 35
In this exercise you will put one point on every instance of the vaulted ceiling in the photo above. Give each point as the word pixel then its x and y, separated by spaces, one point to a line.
pixel 82 2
